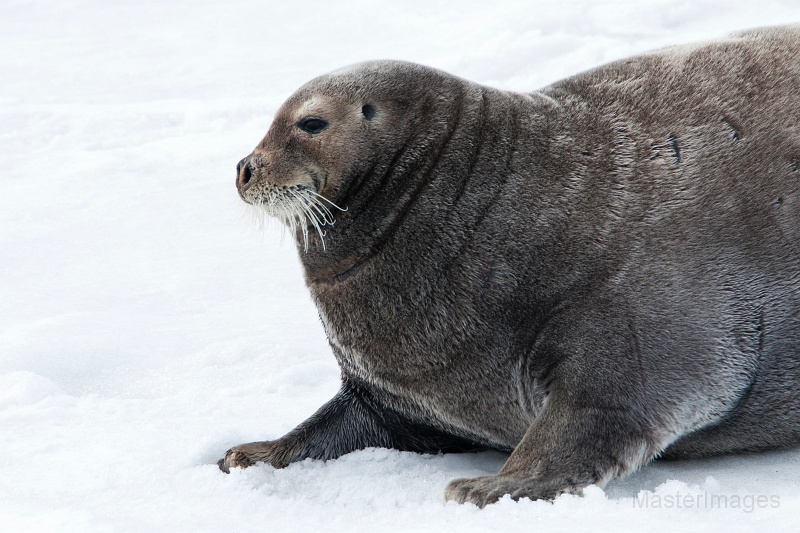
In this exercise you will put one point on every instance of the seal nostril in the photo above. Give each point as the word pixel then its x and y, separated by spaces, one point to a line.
pixel 246 175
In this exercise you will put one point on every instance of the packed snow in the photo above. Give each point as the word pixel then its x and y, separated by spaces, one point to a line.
pixel 147 323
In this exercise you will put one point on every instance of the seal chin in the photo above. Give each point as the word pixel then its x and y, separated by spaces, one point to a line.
pixel 298 207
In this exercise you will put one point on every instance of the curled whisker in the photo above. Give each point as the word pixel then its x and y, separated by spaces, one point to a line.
pixel 310 215
pixel 300 210
pixel 298 218
pixel 317 195
pixel 322 213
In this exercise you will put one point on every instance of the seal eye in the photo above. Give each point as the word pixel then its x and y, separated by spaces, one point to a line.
pixel 313 125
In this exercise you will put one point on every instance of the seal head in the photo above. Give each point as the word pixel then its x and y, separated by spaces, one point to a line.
pixel 334 132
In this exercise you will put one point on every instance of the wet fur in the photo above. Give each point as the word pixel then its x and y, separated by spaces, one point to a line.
pixel 588 276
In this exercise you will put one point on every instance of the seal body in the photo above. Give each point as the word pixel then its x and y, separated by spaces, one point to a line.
pixel 588 276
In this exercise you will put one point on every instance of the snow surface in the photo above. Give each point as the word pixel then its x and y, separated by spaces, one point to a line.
pixel 147 324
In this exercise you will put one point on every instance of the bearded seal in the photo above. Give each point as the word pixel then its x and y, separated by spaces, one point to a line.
pixel 587 277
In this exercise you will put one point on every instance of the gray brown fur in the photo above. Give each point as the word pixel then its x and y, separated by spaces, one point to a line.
pixel 588 276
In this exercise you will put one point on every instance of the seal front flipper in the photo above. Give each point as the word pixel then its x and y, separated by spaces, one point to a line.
pixel 567 448
pixel 344 424
pixel 600 417
pixel 352 420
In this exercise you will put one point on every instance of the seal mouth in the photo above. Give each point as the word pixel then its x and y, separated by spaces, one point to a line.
pixel 297 207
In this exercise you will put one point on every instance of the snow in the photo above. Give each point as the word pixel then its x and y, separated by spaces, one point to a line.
pixel 147 324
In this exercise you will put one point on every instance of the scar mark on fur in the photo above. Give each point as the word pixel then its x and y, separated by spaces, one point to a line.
pixel 676 150
pixel 734 130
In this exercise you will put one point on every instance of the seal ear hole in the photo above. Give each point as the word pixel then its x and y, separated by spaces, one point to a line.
pixel 368 111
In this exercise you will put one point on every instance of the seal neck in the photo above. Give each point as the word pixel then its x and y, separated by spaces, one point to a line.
pixel 428 195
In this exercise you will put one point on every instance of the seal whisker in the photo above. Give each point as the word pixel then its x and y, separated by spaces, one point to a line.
pixel 276 206
pixel 304 203
pixel 298 217
pixel 319 217
pixel 324 214
pixel 316 194
pixel 310 207
pixel 288 213
pixel 301 212
pixel 312 200
pixel 297 208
